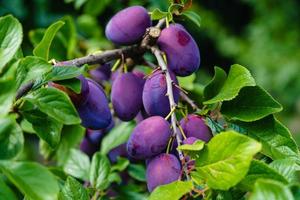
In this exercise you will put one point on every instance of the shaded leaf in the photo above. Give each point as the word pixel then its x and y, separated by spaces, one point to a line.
pixel 32 179
pixel 11 36
pixel 252 103
pixel 43 48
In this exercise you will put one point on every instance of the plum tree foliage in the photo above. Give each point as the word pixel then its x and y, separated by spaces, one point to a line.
pixel 117 124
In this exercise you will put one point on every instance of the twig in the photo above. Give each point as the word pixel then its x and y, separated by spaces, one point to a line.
pixel 173 105
pixel 189 101
pixel 150 38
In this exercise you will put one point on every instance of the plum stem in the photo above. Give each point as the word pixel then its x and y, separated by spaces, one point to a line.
pixel 186 98
pixel 161 62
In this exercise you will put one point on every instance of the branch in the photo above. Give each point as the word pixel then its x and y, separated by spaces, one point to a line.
pixel 149 39
pixel 173 105
pixel 189 101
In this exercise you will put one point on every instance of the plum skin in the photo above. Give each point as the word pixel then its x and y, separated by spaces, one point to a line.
pixel 189 140
pixel 128 26
pixel 162 169
pixel 194 126
pixel 95 113
pixel 126 96
pixel 155 100
pixel 181 49
pixel 102 73
pixel 91 142
pixel 149 138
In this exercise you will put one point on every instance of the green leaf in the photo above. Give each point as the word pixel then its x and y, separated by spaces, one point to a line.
pixel 8 89
pixel 73 84
pixel 259 170
pixel 31 68
pixel 99 172
pixel 175 8
pixel 69 34
pixel 73 190
pixel 71 136
pixel 59 73
pixel 32 179
pixel 197 146
pixel 118 135
pixel 215 85
pixel 78 165
pixel 226 159
pixel 287 168
pixel 238 78
pixel 276 140
pixel 95 7
pixel 157 14
pixel 11 36
pixel 42 49
pixel 63 72
pixel 193 17
pixel 187 82
pixel 137 172
pixel 192 149
pixel 252 103
pixel 44 126
pixel 121 165
pixel 11 138
pixel 54 103
pixel 6 192
pixel 269 189
pixel 172 191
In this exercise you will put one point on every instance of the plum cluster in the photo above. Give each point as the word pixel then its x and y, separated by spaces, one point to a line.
pixel 135 95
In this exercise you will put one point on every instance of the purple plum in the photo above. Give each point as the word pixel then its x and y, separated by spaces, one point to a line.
pixel 149 138
pixel 190 140
pixel 128 26
pixel 126 96
pixel 155 100
pixel 181 49
pixel 91 142
pixel 77 99
pixel 119 151
pixel 95 113
pixel 101 73
pixel 194 126
pixel 162 169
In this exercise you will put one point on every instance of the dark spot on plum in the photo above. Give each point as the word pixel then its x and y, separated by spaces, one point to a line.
pixel 183 38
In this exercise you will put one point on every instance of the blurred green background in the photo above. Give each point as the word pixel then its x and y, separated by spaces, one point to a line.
pixel 262 35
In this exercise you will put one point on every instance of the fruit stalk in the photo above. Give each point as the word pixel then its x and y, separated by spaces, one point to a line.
pixel 158 54
pixel 187 99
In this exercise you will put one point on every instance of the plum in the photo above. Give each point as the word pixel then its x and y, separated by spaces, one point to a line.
pixel 126 96
pixel 181 49
pixel 75 98
pixel 155 100
pixel 95 112
pixel 162 169
pixel 140 75
pixel 149 138
pixel 190 140
pixel 128 26
pixel 194 126
pixel 119 151
pixel 91 142
pixel 101 73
